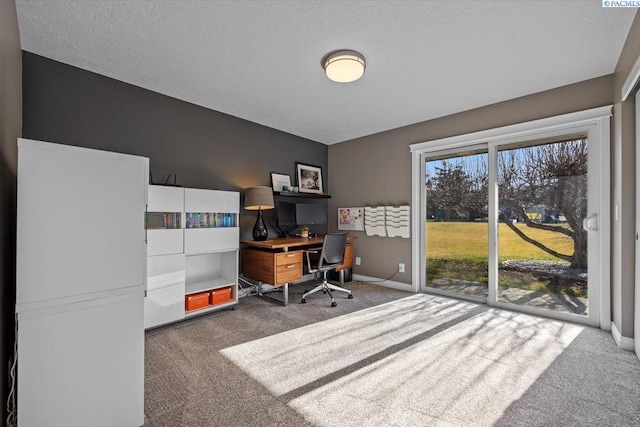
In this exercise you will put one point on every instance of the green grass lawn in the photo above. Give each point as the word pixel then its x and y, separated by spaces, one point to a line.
pixel 459 250
pixel 470 241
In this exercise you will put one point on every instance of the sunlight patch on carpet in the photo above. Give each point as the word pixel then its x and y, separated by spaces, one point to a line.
pixel 423 358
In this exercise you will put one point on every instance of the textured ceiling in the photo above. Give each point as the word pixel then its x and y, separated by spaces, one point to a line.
pixel 261 60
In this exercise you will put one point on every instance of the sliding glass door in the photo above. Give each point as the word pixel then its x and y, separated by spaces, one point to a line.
pixel 520 221
pixel 457 243
pixel 543 249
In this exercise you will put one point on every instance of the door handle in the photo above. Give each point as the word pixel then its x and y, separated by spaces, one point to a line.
pixel 590 223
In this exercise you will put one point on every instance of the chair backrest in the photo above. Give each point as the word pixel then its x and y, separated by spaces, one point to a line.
pixel 333 249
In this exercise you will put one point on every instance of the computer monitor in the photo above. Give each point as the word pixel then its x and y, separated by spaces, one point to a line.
pixel 286 218
pixel 292 215
pixel 310 214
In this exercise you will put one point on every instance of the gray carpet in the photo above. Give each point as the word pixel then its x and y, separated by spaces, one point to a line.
pixel 385 358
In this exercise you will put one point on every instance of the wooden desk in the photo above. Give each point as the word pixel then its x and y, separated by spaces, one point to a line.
pixel 279 262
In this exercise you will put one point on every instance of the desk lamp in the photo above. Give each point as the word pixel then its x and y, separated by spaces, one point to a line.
pixel 257 199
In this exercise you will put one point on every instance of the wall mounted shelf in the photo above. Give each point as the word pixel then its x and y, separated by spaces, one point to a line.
pixel 306 195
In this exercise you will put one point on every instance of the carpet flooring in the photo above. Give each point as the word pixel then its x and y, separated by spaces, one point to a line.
pixel 385 358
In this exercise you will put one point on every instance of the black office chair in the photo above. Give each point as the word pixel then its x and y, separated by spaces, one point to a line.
pixel 331 256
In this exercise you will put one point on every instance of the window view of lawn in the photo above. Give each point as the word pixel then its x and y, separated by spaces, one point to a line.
pixel 542 248
pixel 458 252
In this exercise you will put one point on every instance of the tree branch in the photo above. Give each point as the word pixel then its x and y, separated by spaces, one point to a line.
pixel 532 224
pixel 534 242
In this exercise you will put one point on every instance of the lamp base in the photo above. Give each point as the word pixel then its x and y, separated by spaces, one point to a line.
pixel 260 232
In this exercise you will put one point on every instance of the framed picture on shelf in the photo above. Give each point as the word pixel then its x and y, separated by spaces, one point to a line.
pixel 309 178
pixel 280 182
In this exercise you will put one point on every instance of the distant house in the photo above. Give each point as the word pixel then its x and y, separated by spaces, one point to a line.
pixel 544 214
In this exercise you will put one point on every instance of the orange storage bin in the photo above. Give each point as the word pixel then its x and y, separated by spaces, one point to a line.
pixel 196 301
pixel 220 296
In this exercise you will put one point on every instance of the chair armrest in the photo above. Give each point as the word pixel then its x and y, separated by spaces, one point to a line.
pixel 307 252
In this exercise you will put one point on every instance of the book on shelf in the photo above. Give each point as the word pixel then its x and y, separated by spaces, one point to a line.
pixel 208 220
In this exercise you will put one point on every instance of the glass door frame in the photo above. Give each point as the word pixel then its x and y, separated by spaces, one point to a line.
pixel 631 85
pixel 595 123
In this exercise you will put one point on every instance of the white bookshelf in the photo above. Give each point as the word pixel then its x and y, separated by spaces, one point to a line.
pixel 196 252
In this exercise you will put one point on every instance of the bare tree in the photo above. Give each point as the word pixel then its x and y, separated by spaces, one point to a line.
pixel 551 178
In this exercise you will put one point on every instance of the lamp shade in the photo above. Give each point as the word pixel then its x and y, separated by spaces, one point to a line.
pixel 344 66
pixel 258 198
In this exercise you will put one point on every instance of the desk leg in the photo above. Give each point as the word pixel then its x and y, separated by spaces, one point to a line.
pixel 285 294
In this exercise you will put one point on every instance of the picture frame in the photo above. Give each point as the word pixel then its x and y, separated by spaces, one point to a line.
pixel 309 178
pixel 279 181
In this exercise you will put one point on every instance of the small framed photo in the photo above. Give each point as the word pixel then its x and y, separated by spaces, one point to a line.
pixel 280 182
pixel 309 178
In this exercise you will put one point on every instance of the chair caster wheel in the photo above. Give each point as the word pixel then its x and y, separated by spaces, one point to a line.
pixel 304 301
pixel 324 292
pixel 350 296
pixel 333 304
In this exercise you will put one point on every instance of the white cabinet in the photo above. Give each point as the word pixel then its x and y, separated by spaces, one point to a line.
pixel 196 200
pixel 165 242
pixel 164 302
pixel 165 219
pixel 193 240
pixel 165 199
pixel 165 290
pixel 83 365
pixel 79 215
pixel 204 240
pixel 80 285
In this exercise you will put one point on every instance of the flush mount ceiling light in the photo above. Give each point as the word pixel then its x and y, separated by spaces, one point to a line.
pixel 344 66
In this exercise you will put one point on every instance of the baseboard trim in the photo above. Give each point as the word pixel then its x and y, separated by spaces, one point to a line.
pixel 386 283
pixel 624 343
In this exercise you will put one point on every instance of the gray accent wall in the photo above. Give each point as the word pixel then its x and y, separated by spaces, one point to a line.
pixel 624 186
pixel 10 130
pixel 376 170
pixel 204 148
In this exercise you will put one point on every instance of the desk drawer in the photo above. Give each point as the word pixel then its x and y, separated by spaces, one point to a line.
pixel 286 258
pixel 288 273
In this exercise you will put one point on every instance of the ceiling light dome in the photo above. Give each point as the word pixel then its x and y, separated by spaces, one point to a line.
pixel 344 66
